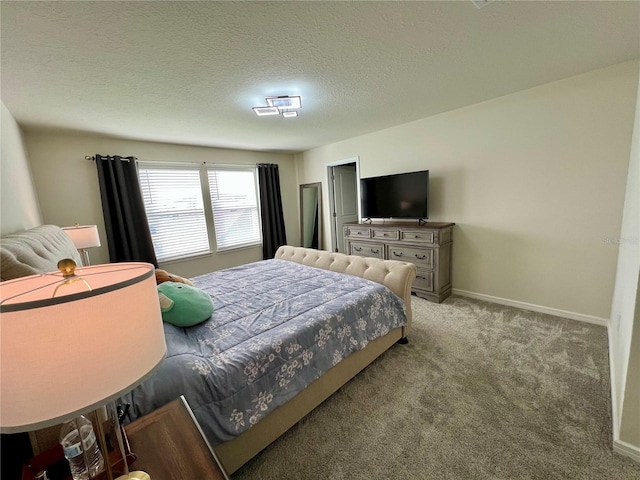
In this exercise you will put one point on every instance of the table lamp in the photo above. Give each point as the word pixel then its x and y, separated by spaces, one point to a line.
pixel 71 343
pixel 83 237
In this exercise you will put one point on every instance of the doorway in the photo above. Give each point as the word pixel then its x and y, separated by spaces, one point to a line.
pixel 343 181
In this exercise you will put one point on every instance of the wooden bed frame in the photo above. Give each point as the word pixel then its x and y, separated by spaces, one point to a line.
pixel 398 277
pixel 38 250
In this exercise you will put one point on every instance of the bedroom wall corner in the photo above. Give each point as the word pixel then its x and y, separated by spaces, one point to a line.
pixel 19 207
pixel 298 162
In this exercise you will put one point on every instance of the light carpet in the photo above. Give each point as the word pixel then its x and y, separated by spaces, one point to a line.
pixel 482 391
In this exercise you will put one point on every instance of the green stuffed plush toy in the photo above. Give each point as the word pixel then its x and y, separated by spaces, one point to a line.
pixel 183 305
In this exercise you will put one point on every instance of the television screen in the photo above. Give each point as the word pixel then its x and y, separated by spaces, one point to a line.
pixel 405 195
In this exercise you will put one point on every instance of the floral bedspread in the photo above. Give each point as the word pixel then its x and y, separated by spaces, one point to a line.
pixel 277 326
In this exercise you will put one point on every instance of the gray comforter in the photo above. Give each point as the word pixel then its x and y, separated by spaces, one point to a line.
pixel 277 326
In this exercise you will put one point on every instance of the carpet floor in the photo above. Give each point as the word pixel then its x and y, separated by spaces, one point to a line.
pixel 482 391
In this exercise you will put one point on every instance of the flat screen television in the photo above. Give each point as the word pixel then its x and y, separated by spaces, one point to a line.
pixel 405 195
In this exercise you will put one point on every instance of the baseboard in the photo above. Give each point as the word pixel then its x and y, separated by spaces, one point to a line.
pixel 534 308
pixel 626 449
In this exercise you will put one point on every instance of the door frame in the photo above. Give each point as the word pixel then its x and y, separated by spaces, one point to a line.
pixel 332 198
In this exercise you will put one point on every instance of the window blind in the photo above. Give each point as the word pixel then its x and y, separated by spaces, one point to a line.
pixel 173 202
pixel 234 202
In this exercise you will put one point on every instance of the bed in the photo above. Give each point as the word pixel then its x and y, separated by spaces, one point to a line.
pixel 285 334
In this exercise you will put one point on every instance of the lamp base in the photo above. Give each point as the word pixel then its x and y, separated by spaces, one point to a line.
pixel 137 475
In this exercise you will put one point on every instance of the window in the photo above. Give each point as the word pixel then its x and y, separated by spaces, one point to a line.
pixel 177 198
pixel 235 207
pixel 175 210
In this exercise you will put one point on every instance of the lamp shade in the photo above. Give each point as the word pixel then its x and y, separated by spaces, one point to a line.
pixel 66 350
pixel 83 236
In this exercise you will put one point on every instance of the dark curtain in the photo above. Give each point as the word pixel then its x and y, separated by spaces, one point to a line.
pixel 125 219
pixel 273 232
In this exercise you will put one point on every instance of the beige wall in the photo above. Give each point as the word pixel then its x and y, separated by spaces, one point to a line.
pixel 19 207
pixel 67 186
pixel 534 181
pixel 624 331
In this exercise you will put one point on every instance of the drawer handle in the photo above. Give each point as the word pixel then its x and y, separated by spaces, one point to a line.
pixel 420 257
pixel 375 251
pixel 357 249
pixel 416 236
pixel 385 235
pixel 397 254
pixel 421 278
pixel 358 233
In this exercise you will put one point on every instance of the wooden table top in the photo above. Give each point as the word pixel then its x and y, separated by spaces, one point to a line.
pixel 170 445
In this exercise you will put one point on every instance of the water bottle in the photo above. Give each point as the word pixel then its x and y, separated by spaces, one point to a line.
pixel 70 442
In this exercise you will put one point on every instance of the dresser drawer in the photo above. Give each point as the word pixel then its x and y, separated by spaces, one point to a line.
pixel 358 232
pixel 385 234
pixel 421 257
pixel 424 281
pixel 367 249
pixel 417 236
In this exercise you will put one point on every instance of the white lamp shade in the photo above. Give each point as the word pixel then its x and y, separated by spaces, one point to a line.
pixel 64 356
pixel 83 236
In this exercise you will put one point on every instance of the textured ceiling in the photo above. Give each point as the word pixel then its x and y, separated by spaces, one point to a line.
pixel 189 72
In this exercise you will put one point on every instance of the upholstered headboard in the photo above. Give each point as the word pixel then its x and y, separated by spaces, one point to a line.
pixel 33 251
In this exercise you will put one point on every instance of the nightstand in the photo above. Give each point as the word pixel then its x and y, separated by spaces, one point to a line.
pixel 170 445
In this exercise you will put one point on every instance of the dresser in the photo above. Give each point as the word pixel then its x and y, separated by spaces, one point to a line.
pixel 428 246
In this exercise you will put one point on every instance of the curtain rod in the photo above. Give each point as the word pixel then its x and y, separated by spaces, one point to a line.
pixel 194 164
pixel 109 157
pixel 128 159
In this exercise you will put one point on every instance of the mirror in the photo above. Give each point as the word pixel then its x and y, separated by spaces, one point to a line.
pixel 311 215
